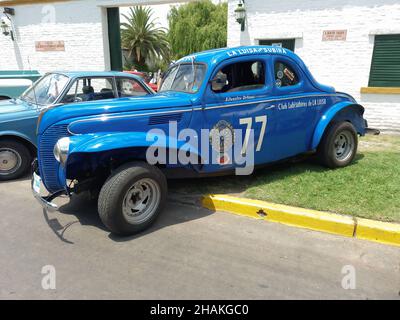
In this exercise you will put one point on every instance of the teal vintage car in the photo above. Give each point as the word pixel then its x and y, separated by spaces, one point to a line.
pixel 18 116
pixel 13 83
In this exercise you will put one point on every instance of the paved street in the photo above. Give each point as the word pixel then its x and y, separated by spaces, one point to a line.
pixel 190 253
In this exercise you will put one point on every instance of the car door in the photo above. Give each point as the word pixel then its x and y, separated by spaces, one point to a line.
pixel 294 101
pixel 239 112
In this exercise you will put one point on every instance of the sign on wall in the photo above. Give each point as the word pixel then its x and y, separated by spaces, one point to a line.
pixel 334 35
pixel 50 46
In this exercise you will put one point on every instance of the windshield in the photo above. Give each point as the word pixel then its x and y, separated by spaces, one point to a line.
pixel 46 90
pixel 184 77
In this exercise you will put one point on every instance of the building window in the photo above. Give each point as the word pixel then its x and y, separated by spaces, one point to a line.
pixel 285 75
pixel 284 43
pixel 385 65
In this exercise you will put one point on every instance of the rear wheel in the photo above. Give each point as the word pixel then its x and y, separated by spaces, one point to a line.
pixel 338 147
pixel 15 159
pixel 132 197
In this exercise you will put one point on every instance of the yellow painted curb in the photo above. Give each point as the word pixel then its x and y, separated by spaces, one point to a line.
pixel 380 90
pixel 383 232
pixel 378 231
pixel 299 217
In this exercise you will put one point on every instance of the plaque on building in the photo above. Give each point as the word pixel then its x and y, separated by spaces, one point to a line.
pixel 50 46
pixel 334 35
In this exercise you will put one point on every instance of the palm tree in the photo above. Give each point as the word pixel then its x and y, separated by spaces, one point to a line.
pixel 141 36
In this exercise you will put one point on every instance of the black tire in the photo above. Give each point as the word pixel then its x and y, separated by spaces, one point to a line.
pixel 116 189
pixel 8 149
pixel 328 149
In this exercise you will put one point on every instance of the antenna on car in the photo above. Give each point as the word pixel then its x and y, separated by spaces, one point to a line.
pixel 33 86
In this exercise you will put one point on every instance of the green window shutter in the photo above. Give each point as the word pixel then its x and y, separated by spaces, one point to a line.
pixel 385 66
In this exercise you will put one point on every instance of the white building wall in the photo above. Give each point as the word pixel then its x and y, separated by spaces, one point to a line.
pixel 342 64
pixel 81 24
pixel 78 24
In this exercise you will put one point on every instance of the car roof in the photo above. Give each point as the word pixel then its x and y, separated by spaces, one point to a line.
pixel 217 55
pixel 76 74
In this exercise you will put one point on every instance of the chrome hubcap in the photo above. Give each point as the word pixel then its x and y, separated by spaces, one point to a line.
pixel 343 145
pixel 141 200
pixel 10 161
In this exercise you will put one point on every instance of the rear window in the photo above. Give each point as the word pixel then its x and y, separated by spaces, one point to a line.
pixel 285 76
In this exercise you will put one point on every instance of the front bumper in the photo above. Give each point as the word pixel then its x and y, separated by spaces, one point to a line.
pixel 37 185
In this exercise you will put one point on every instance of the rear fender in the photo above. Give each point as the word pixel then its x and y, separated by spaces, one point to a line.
pixel 342 111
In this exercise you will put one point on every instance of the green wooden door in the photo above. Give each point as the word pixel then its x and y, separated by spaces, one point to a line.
pixel 114 38
pixel 284 43
pixel 385 65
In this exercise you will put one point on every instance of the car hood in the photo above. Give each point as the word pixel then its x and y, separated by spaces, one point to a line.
pixel 16 109
pixel 8 106
pixel 86 109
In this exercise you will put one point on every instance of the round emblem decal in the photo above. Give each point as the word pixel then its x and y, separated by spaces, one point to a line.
pixel 222 136
pixel 224 159
pixel 280 74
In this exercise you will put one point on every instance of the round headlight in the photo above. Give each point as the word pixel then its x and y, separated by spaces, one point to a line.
pixel 61 150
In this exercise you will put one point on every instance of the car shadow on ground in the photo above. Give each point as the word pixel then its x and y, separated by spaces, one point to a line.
pixel 84 208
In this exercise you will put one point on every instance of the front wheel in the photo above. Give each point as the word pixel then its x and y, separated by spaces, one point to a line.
pixel 338 146
pixel 15 159
pixel 131 198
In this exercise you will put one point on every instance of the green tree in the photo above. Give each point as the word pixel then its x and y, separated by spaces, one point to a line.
pixel 197 26
pixel 141 36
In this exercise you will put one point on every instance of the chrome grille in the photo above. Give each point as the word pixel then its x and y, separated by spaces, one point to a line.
pixel 48 165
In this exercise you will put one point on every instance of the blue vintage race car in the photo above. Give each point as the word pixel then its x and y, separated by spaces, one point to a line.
pixel 18 117
pixel 217 112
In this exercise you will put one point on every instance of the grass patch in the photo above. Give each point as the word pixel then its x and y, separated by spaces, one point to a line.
pixel 368 188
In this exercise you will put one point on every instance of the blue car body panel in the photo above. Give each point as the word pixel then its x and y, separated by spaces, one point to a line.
pixel 18 119
pixel 297 117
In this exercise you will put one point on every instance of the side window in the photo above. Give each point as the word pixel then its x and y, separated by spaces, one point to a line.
pixel 89 89
pixel 241 76
pixel 130 88
pixel 285 75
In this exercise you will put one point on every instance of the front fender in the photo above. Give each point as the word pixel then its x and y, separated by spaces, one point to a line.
pixel 91 143
pixel 90 156
pixel 342 111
